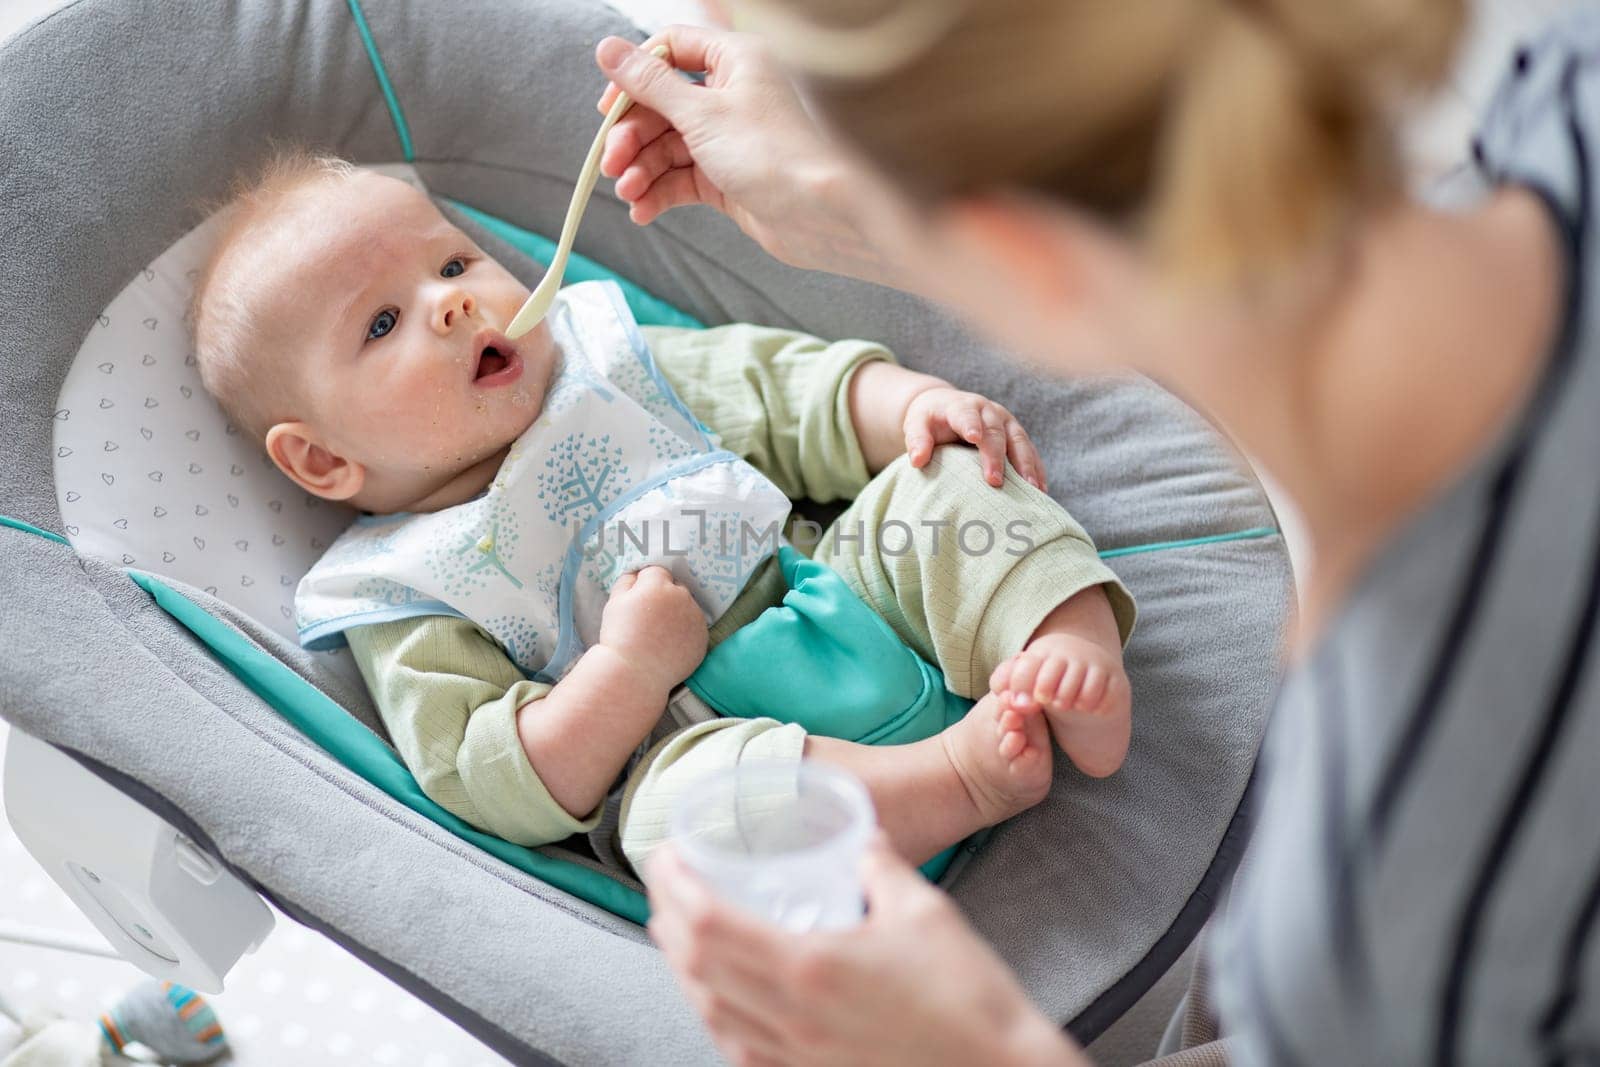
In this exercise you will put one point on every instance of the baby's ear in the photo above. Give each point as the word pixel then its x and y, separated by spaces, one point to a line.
pixel 296 448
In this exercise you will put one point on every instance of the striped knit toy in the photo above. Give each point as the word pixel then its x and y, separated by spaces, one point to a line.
pixel 171 1020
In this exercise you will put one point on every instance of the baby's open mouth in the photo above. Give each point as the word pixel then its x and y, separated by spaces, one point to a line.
pixel 491 361
pixel 497 362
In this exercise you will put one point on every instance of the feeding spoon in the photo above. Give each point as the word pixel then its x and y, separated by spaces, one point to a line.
pixel 544 294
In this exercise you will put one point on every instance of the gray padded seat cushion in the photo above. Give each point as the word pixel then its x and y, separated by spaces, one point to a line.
pixel 118 121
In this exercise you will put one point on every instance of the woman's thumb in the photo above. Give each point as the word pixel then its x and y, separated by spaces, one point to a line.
pixel 886 878
pixel 650 81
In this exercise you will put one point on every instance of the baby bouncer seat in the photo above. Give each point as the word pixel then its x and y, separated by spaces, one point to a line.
pixel 175 756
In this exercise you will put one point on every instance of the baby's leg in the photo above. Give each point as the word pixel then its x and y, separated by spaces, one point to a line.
pixel 929 795
pixel 992 764
pixel 1071 671
pixel 989 573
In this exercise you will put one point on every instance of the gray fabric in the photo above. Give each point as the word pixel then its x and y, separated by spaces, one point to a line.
pixel 1423 885
pixel 117 122
pixel 344 689
pixel 1135 1038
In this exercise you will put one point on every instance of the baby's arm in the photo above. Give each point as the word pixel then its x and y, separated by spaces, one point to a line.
pixel 901 412
pixel 777 398
pixel 462 715
pixel 449 698
pixel 821 418
pixel 579 737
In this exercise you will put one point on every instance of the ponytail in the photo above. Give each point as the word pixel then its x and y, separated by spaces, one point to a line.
pixel 1241 134
pixel 1282 129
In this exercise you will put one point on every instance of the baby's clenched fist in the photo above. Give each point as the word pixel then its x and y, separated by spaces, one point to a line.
pixel 655 626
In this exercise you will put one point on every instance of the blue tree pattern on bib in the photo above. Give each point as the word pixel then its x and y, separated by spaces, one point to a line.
pixel 515 630
pixel 468 551
pixel 582 474
pixel 612 458
pixel 726 554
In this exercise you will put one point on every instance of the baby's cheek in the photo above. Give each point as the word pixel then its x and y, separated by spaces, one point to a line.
pixel 413 423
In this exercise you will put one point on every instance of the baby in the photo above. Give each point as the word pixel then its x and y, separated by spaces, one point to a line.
pixel 523 663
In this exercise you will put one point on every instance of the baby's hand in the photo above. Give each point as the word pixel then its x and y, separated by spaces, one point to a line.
pixel 945 414
pixel 655 626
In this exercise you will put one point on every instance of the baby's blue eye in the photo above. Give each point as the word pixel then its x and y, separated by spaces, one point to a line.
pixel 453 269
pixel 382 323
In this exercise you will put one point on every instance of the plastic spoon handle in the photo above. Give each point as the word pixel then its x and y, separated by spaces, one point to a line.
pixel 544 294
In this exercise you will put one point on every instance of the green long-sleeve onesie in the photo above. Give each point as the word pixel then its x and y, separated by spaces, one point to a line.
pixel 449 696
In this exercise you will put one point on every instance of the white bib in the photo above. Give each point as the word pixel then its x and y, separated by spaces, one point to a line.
pixel 615 474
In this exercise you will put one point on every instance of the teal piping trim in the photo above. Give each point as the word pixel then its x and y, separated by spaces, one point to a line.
pixel 18 524
pixel 1110 553
pixel 399 117
pixel 318 717
pixel 1159 546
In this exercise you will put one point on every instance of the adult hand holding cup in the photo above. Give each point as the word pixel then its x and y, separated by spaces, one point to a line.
pixel 896 989
pixel 782 841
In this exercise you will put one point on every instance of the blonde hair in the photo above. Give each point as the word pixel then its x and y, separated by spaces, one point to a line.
pixel 1238 134
pixel 237 366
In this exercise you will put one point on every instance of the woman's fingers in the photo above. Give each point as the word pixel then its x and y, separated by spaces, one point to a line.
pixel 743 1036
pixel 888 882
pixel 697 930
pixel 688 48
pixel 675 188
pixel 631 135
pixel 651 81
pixel 715 957
pixel 665 153
pixel 743 123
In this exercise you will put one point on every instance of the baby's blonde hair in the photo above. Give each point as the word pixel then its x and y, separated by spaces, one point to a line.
pixel 231 346
pixel 1239 134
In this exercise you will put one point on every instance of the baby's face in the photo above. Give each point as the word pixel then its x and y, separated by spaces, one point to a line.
pixel 393 319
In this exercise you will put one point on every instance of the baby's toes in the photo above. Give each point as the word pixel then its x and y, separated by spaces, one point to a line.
pixel 1093 694
pixel 1071 684
pixel 1048 680
pixel 1000 684
pixel 1001 675
pixel 1028 758
pixel 1012 744
pixel 1024 671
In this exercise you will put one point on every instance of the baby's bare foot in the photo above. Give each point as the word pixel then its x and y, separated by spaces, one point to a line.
pixel 1003 758
pixel 1081 689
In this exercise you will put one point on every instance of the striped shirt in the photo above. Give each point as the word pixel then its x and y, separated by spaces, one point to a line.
pixel 1424 883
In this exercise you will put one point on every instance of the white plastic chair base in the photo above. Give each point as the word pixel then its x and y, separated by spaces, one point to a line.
pixel 165 905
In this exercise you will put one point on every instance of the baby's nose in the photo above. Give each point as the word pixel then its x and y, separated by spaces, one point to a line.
pixel 456 304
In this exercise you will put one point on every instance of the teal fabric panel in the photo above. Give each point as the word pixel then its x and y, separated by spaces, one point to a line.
pixel 823 633
pixel 346 740
pixel 829 663
pixel 650 310
pixel 833 665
